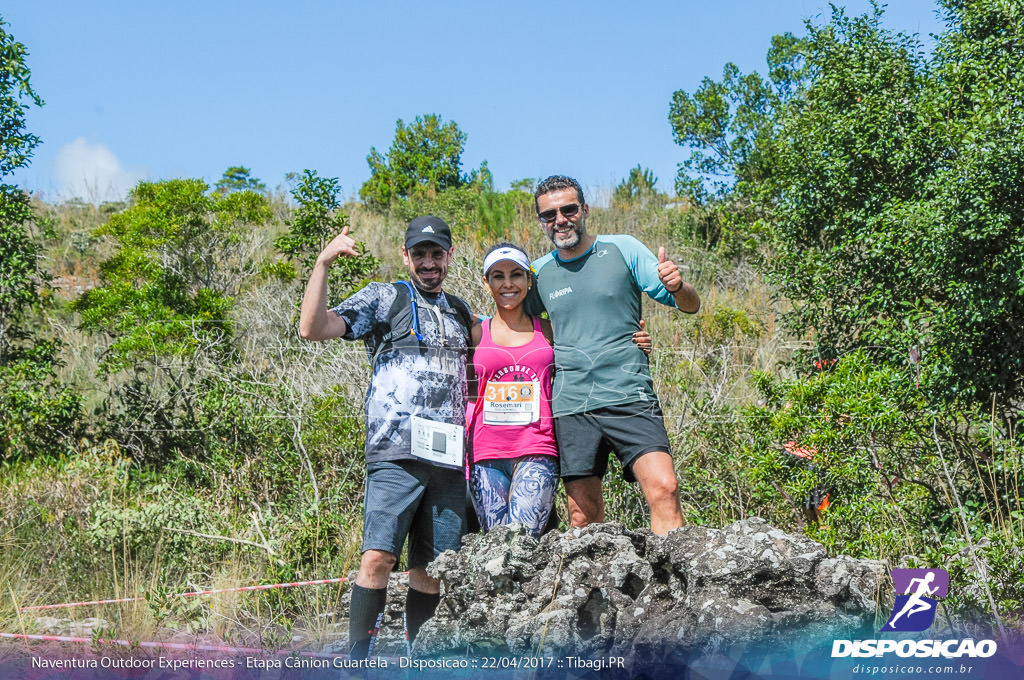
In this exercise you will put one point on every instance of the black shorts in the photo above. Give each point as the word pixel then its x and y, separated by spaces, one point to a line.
pixel 630 430
pixel 413 498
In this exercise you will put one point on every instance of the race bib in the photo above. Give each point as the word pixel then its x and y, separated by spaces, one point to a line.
pixel 512 403
pixel 439 443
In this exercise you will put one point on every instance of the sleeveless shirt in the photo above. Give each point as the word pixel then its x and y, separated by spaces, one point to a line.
pixel 512 415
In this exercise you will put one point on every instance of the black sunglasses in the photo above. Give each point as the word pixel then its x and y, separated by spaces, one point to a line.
pixel 567 211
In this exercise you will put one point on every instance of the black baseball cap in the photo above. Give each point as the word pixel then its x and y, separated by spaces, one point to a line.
pixel 428 229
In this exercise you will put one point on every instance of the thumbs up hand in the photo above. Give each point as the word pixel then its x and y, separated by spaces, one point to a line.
pixel 668 273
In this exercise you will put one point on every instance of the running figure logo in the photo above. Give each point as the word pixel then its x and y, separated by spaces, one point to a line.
pixel 914 610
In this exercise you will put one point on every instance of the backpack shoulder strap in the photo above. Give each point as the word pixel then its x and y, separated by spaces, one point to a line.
pixel 462 311
pixel 404 317
pixel 401 320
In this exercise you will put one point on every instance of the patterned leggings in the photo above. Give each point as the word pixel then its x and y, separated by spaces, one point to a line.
pixel 515 491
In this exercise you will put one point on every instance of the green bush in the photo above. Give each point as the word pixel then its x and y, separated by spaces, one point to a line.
pixel 902 476
pixel 316 220
pixel 160 525
pixel 181 256
pixel 456 205
pixel 40 415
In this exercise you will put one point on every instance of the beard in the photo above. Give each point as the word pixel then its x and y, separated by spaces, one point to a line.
pixel 572 239
pixel 428 281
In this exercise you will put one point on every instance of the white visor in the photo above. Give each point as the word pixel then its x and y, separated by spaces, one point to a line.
pixel 510 254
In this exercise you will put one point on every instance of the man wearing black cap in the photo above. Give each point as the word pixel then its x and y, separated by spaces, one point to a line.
pixel 417 338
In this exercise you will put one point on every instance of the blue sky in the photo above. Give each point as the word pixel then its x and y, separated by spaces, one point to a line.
pixel 158 90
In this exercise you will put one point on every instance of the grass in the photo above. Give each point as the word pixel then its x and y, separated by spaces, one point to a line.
pixel 35 576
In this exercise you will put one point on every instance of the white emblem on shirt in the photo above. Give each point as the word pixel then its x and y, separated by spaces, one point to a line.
pixel 559 293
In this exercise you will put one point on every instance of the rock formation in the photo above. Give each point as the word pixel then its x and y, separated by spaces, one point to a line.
pixel 604 591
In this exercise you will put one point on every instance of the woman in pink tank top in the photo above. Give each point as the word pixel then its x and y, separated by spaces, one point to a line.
pixel 513 471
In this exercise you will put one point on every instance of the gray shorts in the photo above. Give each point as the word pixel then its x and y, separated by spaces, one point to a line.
pixel 630 430
pixel 413 498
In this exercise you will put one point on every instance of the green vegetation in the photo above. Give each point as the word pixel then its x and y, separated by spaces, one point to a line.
pixel 38 413
pixel 638 190
pixel 318 219
pixel 852 221
pixel 424 157
pixel 238 178
pixel 180 257
pixel 421 175
pixel 891 185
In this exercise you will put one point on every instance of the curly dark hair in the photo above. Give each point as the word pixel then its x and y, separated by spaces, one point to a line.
pixel 557 183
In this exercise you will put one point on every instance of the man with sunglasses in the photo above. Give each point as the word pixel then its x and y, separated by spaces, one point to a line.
pixel 603 395
pixel 417 337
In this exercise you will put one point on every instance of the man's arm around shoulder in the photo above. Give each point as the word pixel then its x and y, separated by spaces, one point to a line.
pixel 316 322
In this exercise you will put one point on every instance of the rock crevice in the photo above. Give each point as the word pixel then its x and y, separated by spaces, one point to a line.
pixel 605 590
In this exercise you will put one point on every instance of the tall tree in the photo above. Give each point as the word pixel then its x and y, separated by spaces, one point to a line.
pixel 37 413
pixel 638 190
pixel 20 277
pixel 239 178
pixel 425 156
pixel 16 95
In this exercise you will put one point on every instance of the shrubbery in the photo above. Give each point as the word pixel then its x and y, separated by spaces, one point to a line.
pixel 856 454
pixel 881 190
pixel 890 185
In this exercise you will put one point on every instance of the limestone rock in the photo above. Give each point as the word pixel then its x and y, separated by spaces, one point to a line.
pixel 604 590
pixel 49 625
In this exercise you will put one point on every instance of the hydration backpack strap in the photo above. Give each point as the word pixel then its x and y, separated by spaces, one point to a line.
pixel 402 320
pixel 415 327
pixel 404 317
pixel 462 313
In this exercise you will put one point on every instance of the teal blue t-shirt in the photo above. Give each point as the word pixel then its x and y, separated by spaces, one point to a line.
pixel 594 304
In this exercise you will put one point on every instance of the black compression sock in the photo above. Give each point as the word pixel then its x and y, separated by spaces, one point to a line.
pixel 364 617
pixel 419 607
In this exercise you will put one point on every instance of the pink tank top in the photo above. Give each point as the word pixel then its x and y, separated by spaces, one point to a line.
pixel 512 415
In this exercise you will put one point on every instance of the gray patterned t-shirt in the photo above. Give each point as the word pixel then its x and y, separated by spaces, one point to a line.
pixel 409 378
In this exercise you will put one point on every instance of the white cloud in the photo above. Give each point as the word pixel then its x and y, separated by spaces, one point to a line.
pixel 93 172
